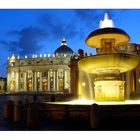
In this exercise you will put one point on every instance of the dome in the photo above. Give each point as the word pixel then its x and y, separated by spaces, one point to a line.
pixel 63 49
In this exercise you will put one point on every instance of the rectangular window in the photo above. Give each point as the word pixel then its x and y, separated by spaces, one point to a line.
pixel 21 85
pixel 21 75
pixel 13 63
pixel 29 75
pixel 45 74
pixel 21 63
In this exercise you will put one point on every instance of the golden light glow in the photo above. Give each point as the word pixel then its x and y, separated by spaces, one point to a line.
pixel 83 84
pixel 79 89
pixel 90 102
pixel 120 39
pixel 111 90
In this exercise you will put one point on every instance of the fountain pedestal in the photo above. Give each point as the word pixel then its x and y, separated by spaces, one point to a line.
pixel 110 90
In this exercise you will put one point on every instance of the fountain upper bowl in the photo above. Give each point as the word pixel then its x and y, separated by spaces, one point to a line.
pixel 94 39
pixel 105 62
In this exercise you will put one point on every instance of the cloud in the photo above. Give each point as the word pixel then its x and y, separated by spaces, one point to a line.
pixel 58 27
pixel 73 23
pixel 28 40
pixel 55 25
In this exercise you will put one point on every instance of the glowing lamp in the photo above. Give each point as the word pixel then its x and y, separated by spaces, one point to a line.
pixel 83 84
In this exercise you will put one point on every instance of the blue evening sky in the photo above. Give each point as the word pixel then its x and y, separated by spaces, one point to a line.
pixel 39 31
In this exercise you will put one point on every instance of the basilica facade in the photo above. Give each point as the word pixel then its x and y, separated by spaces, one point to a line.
pixel 42 73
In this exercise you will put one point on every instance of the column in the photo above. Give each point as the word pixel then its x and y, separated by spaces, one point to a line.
pixel 65 80
pixel 57 85
pixel 33 76
pixel 137 80
pixel 127 85
pixel 35 87
pixel 16 81
pixel 53 80
pixel 25 81
pixel 69 81
pixel 8 81
pixel 48 80
pixel 40 81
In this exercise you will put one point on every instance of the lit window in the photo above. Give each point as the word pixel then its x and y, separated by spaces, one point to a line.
pixel 45 74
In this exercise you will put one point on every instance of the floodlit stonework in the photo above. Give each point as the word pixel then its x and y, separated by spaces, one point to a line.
pixel 42 73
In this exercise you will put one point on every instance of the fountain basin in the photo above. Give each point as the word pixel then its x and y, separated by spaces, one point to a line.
pixel 93 113
pixel 94 39
pixel 105 63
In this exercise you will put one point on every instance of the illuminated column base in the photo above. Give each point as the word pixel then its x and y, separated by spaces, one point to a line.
pixel 109 90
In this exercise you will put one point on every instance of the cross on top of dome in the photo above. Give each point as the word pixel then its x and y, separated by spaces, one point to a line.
pixel 63 43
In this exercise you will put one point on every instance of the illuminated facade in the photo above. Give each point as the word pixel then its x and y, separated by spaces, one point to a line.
pixel 40 74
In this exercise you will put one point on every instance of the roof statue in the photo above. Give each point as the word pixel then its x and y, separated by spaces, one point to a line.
pixel 106 22
pixel 13 57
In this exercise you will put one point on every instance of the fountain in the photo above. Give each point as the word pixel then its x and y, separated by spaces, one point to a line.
pixel 108 64
pixel 103 97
